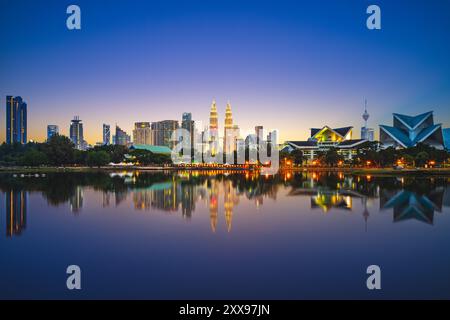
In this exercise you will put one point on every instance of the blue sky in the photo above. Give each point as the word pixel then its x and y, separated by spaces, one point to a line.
pixel 287 65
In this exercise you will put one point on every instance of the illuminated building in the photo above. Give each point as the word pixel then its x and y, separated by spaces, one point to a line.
pixel 324 139
pixel 259 131
pixel 52 130
pixel 16 120
pixel 231 132
pixel 162 132
pixel 121 137
pixel 188 124
pixel 142 133
pixel 367 133
pixel 213 128
pixel 106 134
pixel 446 134
pixel 76 133
pixel 408 131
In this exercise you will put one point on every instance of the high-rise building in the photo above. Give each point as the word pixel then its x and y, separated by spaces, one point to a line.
pixel 229 136
pixel 213 128
pixel 162 132
pixel 367 133
pixel 52 129
pixel 76 133
pixel 259 131
pixel 188 124
pixel 16 120
pixel 121 137
pixel 106 134
pixel 142 133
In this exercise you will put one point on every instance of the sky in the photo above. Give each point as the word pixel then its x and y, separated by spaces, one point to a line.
pixel 286 65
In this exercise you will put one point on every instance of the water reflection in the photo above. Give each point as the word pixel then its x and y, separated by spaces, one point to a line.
pixel 16 212
pixel 222 192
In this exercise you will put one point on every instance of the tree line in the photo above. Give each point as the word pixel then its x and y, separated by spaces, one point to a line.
pixel 372 154
pixel 60 151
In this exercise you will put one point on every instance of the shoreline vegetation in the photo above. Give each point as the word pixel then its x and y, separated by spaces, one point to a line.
pixel 350 170
pixel 59 154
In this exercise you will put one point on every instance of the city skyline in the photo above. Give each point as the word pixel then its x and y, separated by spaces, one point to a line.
pixel 281 66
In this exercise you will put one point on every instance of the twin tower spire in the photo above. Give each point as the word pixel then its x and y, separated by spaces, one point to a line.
pixel 213 117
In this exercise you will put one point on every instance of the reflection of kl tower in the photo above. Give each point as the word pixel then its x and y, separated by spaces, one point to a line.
pixel 366 212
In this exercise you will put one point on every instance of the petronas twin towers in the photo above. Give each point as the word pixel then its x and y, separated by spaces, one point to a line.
pixel 231 132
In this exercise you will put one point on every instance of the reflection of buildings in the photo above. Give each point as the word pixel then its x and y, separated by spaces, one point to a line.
pixel 167 196
pixel 331 199
pixel 410 205
pixel 213 203
pixel 340 196
pixel 76 200
pixel 16 212
pixel 231 199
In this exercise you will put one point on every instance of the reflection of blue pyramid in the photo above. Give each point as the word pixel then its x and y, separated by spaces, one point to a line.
pixel 409 205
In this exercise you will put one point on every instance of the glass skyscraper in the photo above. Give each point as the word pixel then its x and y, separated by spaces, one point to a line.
pixel 106 134
pixel 16 120
pixel 121 137
pixel 52 129
pixel 76 133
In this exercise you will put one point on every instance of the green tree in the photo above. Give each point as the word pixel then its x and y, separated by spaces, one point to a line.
pixel 59 150
pixel 422 158
pixel 34 158
pixel 97 158
pixel 297 156
pixel 332 157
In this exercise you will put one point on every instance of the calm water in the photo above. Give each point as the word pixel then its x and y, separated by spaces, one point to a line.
pixel 231 236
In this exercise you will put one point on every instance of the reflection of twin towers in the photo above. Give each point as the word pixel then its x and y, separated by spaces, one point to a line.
pixel 230 199
pixel 170 196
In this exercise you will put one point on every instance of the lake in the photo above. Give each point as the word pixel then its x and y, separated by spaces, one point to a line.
pixel 223 235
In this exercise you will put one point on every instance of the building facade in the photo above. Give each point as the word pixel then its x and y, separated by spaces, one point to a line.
pixel 52 130
pixel 162 132
pixel 76 133
pixel 16 120
pixel 142 133
pixel 121 137
pixel 106 134
pixel 323 139
pixel 188 124
pixel 231 132
pixel 408 131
